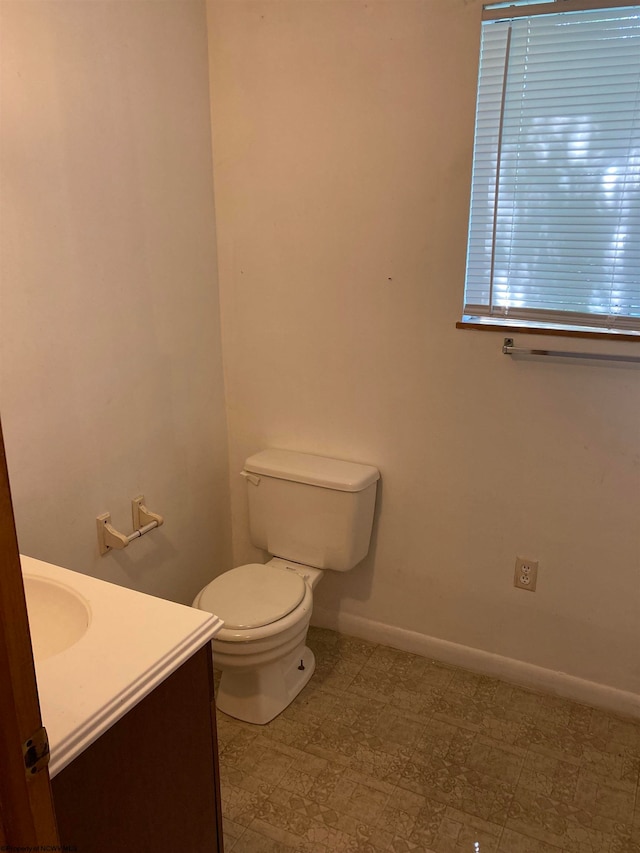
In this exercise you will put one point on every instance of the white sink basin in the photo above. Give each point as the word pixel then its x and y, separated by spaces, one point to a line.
pixel 58 615
pixel 77 620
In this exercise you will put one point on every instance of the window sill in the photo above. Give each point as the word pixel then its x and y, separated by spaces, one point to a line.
pixel 487 325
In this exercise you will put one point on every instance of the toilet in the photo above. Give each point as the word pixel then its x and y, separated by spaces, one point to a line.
pixel 313 514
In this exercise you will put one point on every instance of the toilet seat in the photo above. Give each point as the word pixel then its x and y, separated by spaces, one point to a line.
pixel 253 595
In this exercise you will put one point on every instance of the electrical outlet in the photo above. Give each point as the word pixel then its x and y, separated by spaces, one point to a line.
pixel 526 574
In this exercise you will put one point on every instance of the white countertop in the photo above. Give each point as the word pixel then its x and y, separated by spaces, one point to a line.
pixel 133 643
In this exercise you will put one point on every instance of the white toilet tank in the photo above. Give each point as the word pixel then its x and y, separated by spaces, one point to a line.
pixel 311 509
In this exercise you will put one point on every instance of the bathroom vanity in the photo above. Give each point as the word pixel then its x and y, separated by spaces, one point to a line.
pixel 126 692
pixel 151 781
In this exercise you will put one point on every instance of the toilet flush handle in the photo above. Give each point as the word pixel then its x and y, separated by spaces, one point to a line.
pixel 252 478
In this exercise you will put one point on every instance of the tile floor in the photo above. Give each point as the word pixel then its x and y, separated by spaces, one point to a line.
pixel 389 751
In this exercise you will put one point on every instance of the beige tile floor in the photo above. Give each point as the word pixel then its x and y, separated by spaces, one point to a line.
pixel 388 751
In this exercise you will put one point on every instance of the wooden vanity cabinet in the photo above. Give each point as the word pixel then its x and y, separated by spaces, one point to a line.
pixel 151 782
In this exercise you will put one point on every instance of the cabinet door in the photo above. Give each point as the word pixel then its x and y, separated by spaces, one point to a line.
pixel 150 783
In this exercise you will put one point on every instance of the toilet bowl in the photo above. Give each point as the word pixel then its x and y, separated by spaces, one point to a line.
pixel 313 514
pixel 261 650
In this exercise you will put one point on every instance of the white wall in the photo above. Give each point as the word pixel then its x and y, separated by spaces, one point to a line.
pixel 342 154
pixel 111 377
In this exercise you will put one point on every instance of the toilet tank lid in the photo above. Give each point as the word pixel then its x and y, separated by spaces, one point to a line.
pixel 313 470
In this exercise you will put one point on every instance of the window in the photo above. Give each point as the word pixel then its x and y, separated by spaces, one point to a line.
pixel 554 231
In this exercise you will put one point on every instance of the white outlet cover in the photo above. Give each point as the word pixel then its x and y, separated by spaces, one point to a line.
pixel 526 574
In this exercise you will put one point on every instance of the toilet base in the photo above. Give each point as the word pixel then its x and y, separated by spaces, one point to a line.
pixel 258 695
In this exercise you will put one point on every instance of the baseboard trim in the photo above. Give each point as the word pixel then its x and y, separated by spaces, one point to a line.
pixel 515 671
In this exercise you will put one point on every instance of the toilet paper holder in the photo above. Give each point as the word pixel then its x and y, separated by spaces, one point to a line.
pixel 143 522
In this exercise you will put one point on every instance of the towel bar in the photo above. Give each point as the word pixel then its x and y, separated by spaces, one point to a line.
pixel 508 348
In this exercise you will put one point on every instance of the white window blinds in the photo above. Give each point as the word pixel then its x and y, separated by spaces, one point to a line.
pixel 554 234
